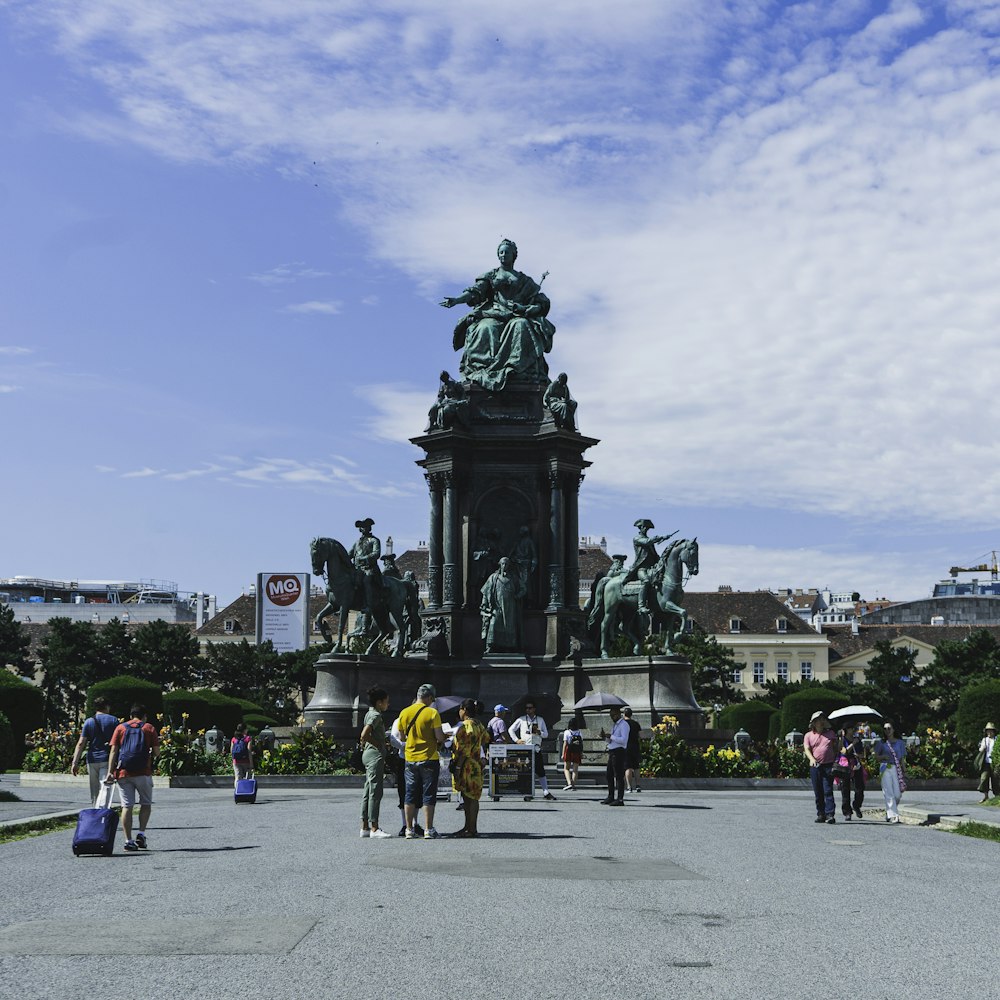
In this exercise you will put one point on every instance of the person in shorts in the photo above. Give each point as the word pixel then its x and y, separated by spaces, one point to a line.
pixel 572 753
pixel 423 736
pixel 96 737
pixel 133 756
pixel 530 729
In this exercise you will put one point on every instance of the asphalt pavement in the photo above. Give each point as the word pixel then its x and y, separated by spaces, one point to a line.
pixel 726 894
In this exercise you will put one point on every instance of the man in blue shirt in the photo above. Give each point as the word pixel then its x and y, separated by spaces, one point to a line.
pixel 96 736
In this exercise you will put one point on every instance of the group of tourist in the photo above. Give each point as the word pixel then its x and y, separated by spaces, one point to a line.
pixel 837 758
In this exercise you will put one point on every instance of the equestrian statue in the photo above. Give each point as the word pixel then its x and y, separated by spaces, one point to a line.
pixel 648 597
pixel 355 583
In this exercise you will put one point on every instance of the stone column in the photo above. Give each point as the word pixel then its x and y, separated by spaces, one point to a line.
pixel 556 536
pixel 572 542
pixel 435 542
pixel 452 564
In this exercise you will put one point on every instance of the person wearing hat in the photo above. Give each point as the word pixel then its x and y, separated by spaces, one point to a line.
pixel 987 776
pixel 889 752
pixel 498 725
pixel 365 554
pixel 645 559
pixel 822 748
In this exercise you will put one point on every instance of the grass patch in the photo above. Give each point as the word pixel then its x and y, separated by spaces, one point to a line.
pixel 981 831
pixel 8 797
pixel 35 828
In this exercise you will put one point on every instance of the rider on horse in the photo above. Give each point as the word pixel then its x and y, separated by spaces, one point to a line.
pixel 645 560
pixel 364 555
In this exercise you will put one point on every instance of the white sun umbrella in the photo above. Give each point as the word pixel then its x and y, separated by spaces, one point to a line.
pixel 600 699
pixel 855 712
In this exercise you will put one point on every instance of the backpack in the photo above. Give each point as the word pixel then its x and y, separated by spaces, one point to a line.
pixel 241 750
pixel 576 741
pixel 133 754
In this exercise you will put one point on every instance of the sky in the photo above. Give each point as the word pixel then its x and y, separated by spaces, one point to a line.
pixel 771 232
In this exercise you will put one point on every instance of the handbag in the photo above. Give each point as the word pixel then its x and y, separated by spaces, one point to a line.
pixel 842 769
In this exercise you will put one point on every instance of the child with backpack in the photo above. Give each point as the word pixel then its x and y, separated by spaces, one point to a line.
pixel 572 753
pixel 242 754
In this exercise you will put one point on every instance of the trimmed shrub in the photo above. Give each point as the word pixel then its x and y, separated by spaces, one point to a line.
pixel 223 711
pixel 179 702
pixel 257 721
pixel 123 692
pixel 754 716
pixel 774 730
pixel 249 706
pixel 24 706
pixel 800 705
pixel 978 704
pixel 6 743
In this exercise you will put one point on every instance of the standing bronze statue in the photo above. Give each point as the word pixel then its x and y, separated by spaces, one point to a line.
pixel 507 333
pixel 501 609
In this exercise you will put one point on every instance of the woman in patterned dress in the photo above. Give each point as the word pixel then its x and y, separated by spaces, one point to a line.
pixel 469 738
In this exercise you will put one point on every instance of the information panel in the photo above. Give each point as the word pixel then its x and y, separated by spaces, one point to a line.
pixel 512 770
pixel 283 610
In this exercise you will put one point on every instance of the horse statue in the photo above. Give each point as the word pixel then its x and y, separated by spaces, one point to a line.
pixel 344 593
pixel 616 605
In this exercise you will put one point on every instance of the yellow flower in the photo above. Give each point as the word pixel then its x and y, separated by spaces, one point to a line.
pixel 185 715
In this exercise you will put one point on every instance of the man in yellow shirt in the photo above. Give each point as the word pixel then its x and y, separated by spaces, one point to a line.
pixel 422 735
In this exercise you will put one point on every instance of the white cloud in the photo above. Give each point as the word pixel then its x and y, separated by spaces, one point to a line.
pixel 105 468
pixel 9 388
pixel 328 308
pixel 13 351
pixel 143 473
pixel 771 229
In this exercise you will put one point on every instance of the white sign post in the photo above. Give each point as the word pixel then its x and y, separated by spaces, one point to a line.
pixel 283 610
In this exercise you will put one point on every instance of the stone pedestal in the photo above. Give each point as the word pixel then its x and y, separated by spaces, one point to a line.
pixel 671 694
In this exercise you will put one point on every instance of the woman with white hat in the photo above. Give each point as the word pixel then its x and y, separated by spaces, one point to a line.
pixel 984 758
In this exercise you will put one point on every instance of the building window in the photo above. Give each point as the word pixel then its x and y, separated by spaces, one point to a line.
pixel 734 625
pixel 738 674
pixel 806 670
pixel 758 672
pixel 782 624
pixel 229 625
pixel 849 676
pixel 782 670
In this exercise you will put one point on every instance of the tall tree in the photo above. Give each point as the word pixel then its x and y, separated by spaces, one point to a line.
pixel 115 651
pixel 167 654
pixel 243 670
pixel 712 667
pixel 956 663
pixel 69 658
pixel 891 685
pixel 14 643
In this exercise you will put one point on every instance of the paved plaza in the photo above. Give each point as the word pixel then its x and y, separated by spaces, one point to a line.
pixel 691 894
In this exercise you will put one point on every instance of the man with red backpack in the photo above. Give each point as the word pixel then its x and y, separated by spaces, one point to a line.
pixel 134 748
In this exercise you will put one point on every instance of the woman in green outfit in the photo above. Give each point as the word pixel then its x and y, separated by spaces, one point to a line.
pixel 373 756
pixel 469 738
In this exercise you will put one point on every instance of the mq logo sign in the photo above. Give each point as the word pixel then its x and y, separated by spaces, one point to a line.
pixel 283 590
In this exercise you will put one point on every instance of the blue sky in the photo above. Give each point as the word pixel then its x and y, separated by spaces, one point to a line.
pixel 771 231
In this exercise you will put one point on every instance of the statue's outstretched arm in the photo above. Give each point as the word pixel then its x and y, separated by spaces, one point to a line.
pixel 453 300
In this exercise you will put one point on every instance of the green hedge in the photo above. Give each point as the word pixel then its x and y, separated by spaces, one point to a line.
pixel 250 707
pixel 257 721
pixel 223 711
pixel 6 743
pixel 24 706
pixel 978 704
pixel 178 702
pixel 754 716
pixel 774 730
pixel 800 705
pixel 123 692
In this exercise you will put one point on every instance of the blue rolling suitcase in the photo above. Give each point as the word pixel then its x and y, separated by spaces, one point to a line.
pixel 246 790
pixel 96 828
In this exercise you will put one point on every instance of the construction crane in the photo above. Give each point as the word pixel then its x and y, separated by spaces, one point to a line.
pixel 990 567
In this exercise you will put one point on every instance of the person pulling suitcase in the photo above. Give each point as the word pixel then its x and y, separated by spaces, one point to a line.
pixel 135 746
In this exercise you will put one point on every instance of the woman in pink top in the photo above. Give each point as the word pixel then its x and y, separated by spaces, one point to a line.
pixel 822 748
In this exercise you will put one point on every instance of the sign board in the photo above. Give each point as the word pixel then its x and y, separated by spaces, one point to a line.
pixel 283 610
pixel 514 772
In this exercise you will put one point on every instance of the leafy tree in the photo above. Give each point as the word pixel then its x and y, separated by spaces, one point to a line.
pixel 167 654
pixel 115 651
pixel 712 668
pixel 891 685
pixel 298 671
pixel 14 643
pixel 69 658
pixel 957 663
pixel 243 670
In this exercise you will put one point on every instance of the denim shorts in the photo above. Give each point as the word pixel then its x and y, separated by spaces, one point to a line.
pixel 422 781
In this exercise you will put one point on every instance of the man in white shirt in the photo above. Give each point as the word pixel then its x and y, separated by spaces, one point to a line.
pixel 617 742
pixel 530 730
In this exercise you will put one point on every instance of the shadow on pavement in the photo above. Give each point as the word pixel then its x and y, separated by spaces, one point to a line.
pixel 666 805
pixel 528 836
pixel 202 850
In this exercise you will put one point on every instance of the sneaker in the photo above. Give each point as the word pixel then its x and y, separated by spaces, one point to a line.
pixel 131 845
pixel 831 819
pixel 418 830
pixel 550 797
pixel 820 819
pixel 568 788
pixel 402 831
pixel 140 841
pixel 379 835
pixel 617 802
pixel 365 833
pixel 431 834
pixel 637 789
pixel 408 834
pixel 857 812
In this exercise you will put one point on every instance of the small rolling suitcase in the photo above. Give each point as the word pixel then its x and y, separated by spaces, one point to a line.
pixel 246 790
pixel 96 828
